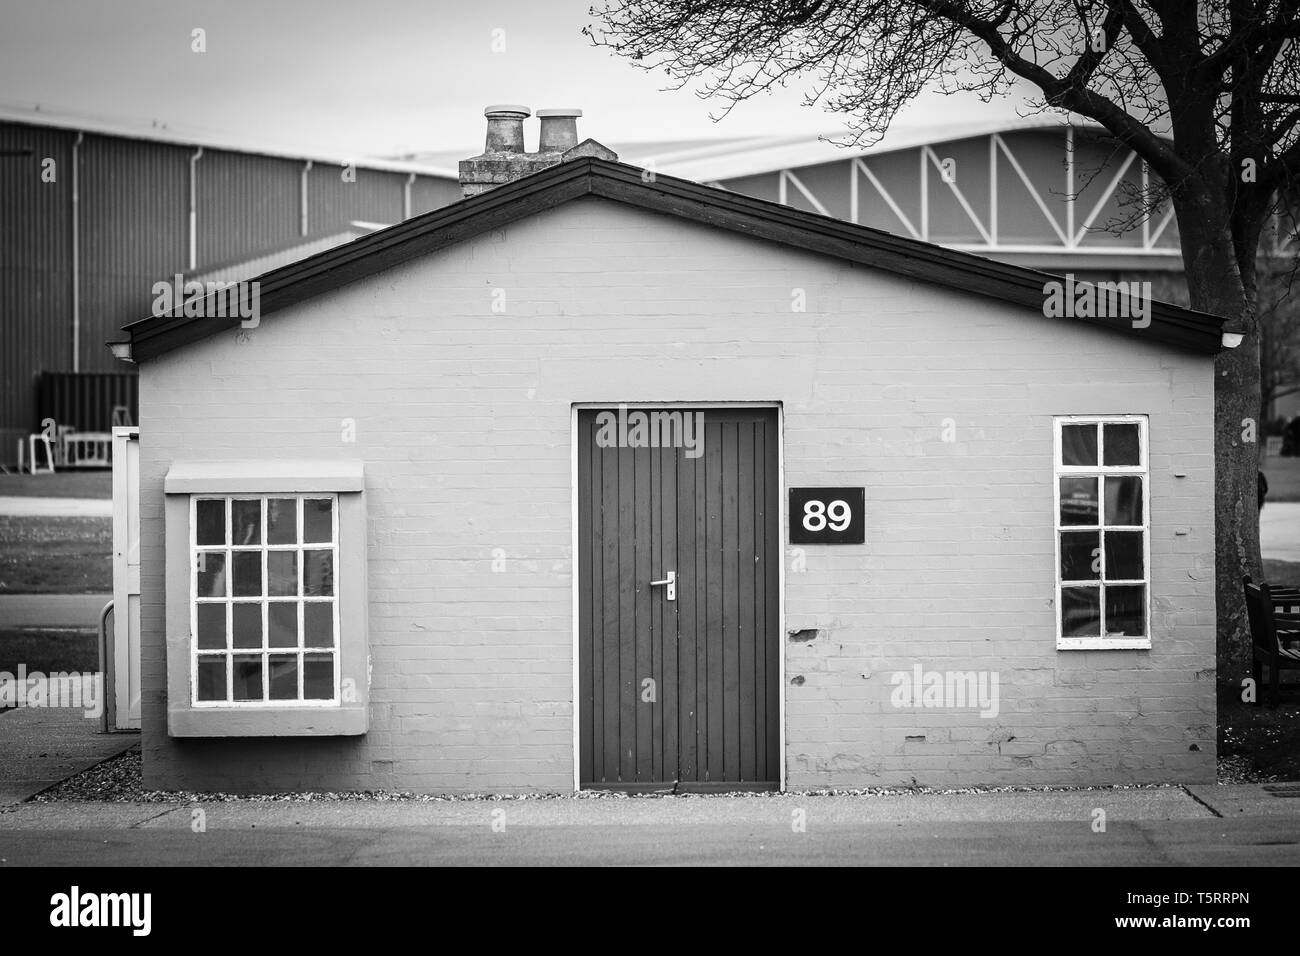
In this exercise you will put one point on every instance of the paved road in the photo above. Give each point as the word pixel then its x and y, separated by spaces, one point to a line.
pixel 1255 841
pixel 55 507
pixel 52 610
pixel 1279 530
pixel 1165 826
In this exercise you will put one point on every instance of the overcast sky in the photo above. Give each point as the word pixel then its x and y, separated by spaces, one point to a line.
pixel 375 77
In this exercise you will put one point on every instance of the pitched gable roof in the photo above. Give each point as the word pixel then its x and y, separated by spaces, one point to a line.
pixel 336 267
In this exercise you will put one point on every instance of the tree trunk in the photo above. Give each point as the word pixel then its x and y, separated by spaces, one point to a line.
pixel 1236 493
pixel 1215 284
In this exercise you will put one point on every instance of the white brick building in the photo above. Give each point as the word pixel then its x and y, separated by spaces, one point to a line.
pixel 385 546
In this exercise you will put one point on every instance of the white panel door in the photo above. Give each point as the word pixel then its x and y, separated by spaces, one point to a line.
pixel 126 578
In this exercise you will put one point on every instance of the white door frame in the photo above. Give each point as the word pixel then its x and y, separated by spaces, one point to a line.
pixel 126 578
pixel 576 407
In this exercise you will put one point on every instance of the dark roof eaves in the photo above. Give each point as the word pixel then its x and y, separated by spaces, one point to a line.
pixel 333 268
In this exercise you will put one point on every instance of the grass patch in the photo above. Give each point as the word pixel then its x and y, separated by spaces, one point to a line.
pixel 1282 573
pixel 1283 476
pixel 42 555
pixel 46 650
pixel 67 484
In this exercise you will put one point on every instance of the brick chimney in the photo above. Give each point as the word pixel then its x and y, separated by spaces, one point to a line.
pixel 503 159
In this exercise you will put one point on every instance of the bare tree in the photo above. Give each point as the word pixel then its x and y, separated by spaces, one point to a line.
pixel 1206 93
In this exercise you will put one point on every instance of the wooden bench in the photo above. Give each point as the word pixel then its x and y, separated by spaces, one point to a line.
pixel 1275 634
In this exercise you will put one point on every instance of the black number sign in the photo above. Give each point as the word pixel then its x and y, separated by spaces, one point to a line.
pixel 828 516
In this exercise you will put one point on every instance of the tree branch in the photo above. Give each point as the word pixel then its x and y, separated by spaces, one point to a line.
pixel 1060 93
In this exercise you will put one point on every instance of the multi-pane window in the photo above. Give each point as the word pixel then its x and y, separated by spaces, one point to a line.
pixel 1103 570
pixel 265 608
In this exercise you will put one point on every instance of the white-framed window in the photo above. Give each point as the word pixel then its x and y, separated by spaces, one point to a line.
pixel 264 606
pixel 1103 536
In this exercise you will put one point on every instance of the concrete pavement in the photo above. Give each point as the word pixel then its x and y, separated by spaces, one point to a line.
pixel 1279 530
pixel 40 746
pixel 1250 799
pixel 52 610
pixel 1210 843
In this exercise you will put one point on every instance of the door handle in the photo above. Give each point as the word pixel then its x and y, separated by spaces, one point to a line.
pixel 671 583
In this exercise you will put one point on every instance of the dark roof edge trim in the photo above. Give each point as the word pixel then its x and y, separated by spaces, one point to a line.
pixel 369 255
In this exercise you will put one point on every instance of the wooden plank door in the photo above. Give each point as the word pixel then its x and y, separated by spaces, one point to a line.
pixel 680 693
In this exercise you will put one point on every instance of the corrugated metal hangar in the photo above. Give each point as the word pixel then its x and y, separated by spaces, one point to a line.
pixel 95 215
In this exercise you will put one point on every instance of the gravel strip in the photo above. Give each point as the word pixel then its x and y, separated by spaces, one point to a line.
pixel 1241 769
pixel 118 780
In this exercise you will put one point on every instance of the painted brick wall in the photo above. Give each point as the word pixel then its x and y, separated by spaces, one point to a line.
pixel 463 419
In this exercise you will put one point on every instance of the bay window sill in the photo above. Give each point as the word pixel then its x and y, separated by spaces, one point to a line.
pixel 349 720
pixel 1103 644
